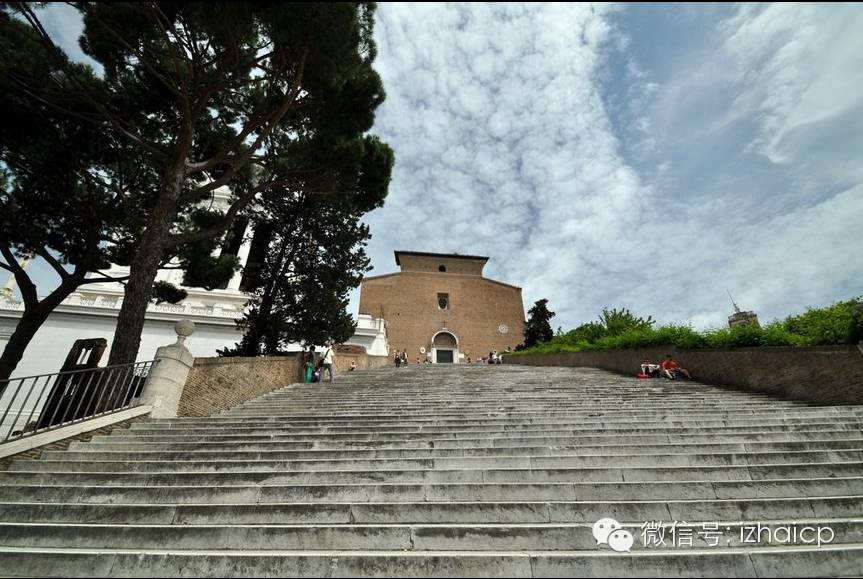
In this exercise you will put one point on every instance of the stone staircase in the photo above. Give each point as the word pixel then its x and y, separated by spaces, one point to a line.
pixel 452 471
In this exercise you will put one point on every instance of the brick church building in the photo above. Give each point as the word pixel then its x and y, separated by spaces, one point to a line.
pixel 441 307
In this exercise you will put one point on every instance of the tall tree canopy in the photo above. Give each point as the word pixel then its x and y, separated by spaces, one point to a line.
pixel 538 329
pixel 64 186
pixel 206 95
pixel 307 254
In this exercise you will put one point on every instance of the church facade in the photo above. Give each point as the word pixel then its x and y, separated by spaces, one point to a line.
pixel 440 307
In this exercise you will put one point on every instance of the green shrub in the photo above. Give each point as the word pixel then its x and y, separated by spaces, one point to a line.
pixel 617 322
pixel 680 336
pixel 777 334
pixel 589 332
pixel 840 323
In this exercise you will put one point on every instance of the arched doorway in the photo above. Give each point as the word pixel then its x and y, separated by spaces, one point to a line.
pixel 444 348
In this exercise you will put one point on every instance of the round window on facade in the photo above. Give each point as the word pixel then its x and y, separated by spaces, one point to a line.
pixel 442 269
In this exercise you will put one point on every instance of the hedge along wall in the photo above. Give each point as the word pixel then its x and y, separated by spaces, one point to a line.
pixel 824 374
pixel 216 384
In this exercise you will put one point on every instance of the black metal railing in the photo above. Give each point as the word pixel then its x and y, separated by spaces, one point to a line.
pixel 35 404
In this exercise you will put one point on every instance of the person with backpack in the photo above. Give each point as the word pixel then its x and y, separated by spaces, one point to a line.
pixel 327 361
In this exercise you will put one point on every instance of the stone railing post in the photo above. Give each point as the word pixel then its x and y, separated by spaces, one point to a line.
pixel 166 380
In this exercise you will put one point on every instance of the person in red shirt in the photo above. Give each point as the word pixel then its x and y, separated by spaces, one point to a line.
pixel 672 369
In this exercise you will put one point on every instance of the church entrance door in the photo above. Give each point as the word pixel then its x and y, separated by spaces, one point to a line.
pixel 445 348
pixel 444 357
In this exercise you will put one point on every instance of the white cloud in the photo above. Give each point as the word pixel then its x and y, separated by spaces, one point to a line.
pixel 505 147
pixel 510 155
pixel 63 23
pixel 799 66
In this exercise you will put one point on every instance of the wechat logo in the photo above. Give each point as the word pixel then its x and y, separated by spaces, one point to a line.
pixel 609 532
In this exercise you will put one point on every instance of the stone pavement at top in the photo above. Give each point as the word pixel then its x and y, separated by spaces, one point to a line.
pixel 451 471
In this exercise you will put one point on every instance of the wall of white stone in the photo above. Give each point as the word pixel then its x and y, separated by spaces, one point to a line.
pixel 52 342
pixel 371 334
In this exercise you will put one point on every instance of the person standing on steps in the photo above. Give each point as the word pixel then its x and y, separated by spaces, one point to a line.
pixel 311 363
pixel 327 361
pixel 398 359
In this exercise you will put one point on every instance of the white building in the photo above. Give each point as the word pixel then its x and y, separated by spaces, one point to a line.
pixel 371 333
pixel 92 311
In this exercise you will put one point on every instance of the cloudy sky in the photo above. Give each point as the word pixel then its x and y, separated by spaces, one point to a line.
pixel 645 156
pixel 641 156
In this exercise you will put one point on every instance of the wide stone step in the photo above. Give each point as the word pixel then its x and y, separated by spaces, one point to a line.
pixel 440 537
pixel 840 560
pixel 85 454
pixel 516 403
pixel 414 492
pixel 752 509
pixel 108 443
pixel 541 462
pixel 435 476
pixel 447 433
pixel 435 390
pixel 375 407
pixel 588 424
pixel 489 398
pixel 455 391
pixel 500 405
pixel 383 412
pixel 490 421
pixel 212 423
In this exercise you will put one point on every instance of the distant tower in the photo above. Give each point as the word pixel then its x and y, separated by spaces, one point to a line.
pixel 741 318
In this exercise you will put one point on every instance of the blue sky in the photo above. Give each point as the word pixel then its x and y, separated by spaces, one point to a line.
pixel 642 156
pixel 646 156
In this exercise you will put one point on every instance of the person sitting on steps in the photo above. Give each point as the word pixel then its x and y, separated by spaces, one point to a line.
pixel 649 369
pixel 671 369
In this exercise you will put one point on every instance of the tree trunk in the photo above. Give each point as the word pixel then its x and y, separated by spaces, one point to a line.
pixel 270 338
pixel 143 270
pixel 139 288
pixel 28 325
pixel 136 298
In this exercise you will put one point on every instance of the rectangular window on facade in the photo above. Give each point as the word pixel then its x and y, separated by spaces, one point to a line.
pixel 443 301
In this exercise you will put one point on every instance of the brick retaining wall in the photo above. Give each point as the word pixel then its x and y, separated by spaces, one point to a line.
pixel 364 361
pixel 825 375
pixel 216 384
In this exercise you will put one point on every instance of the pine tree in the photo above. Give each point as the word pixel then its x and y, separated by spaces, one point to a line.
pixel 313 255
pixel 538 329
pixel 204 95
pixel 64 187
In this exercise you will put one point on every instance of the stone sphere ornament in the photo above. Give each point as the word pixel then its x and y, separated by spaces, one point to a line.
pixel 184 329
